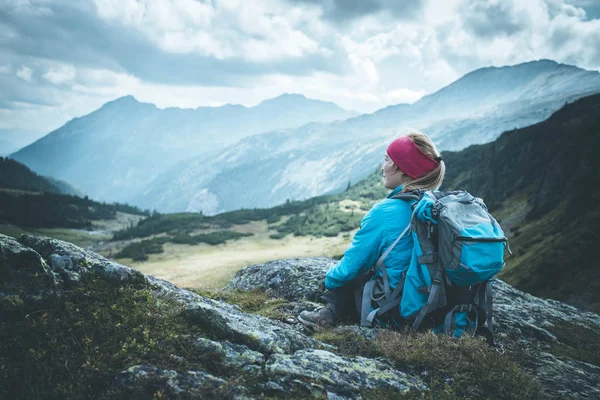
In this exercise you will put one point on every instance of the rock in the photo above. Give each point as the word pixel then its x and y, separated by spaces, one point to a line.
pixel 233 356
pixel 24 273
pixel 523 324
pixel 318 373
pixel 516 312
pixel 71 261
pixel 293 279
pixel 256 332
pixel 227 322
pixel 147 382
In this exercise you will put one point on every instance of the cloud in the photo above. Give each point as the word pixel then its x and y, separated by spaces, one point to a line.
pixel 345 10
pixel 362 55
pixel 25 73
pixel 494 17
pixel 61 74
pixel 221 30
pixel 167 42
pixel 404 95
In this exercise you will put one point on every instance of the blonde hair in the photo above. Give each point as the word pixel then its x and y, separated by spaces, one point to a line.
pixel 434 179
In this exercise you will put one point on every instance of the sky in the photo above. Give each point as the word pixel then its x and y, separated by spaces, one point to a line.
pixel 64 59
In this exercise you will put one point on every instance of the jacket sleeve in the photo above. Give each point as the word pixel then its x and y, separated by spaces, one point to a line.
pixel 362 252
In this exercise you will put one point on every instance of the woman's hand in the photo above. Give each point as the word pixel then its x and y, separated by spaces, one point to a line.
pixel 423 210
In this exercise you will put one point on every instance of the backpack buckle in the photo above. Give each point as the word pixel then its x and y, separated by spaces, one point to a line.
pixel 464 308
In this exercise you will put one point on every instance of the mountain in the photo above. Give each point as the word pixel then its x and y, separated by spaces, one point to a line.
pixel 12 140
pixel 78 326
pixel 321 158
pixel 113 152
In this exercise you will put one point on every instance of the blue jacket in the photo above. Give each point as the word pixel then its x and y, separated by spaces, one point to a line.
pixel 379 228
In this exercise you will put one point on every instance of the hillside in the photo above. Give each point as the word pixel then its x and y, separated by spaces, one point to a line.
pixel 318 158
pixel 29 200
pixel 77 326
pixel 14 175
pixel 115 151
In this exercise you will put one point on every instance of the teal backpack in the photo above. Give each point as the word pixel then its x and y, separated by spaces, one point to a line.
pixel 448 285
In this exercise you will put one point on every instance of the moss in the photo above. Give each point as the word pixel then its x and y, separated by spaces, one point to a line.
pixel 11 307
pixel 73 345
pixel 464 368
pixel 576 342
pixel 252 301
pixel 467 368
pixel 349 343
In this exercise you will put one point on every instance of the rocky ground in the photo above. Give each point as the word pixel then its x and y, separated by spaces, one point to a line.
pixel 65 334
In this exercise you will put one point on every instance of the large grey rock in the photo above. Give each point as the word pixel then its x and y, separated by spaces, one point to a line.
pixel 227 322
pixel 524 325
pixel 71 261
pixel 319 373
pixel 293 279
pixel 150 382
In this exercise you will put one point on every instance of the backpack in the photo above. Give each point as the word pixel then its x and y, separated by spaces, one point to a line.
pixel 448 286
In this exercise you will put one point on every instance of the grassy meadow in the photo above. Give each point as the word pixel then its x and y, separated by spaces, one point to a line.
pixel 212 266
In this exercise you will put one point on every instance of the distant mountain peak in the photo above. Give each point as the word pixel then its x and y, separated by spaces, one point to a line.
pixel 125 99
pixel 534 65
pixel 296 99
pixel 126 102
pixel 285 97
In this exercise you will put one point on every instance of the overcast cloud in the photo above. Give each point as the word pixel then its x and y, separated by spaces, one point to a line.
pixel 62 59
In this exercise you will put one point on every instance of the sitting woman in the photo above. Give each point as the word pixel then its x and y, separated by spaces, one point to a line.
pixel 411 162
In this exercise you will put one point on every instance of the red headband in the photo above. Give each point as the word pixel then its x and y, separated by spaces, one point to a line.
pixel 410 158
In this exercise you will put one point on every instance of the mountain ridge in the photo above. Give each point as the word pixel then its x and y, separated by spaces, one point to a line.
pixel 322 157
pixel 114 151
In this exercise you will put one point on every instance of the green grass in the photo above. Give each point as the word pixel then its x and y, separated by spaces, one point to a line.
pixel 139 251
pixel 251 301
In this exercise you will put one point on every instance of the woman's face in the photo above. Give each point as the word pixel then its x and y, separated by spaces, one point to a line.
pixel 392 176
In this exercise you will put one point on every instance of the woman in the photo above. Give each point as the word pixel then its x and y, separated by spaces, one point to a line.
pixel 411 162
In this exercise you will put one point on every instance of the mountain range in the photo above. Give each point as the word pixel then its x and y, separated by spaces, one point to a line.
pixel 320 158
pixel 115 151
pixel 156 159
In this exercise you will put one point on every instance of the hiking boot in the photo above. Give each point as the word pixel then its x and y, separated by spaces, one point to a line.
pixel 322 317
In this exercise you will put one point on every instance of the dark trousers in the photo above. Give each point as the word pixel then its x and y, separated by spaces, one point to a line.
pixel 345 302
